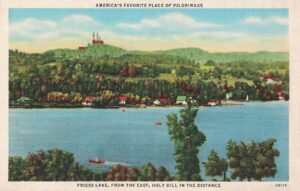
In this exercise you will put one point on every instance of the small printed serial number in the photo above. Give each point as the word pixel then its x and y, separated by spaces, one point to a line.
pixel 281 185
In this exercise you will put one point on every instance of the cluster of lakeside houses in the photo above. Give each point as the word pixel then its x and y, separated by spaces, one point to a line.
pixel 124 100
pixel 181 100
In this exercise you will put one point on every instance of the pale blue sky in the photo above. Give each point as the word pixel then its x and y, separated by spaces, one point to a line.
pixel 36 30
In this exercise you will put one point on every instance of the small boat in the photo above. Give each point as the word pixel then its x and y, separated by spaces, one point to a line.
pixel 96 161
pixel 158 123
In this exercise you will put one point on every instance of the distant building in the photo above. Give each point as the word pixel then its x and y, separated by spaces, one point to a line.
pixel 181 100
pixel 281 95
pixel 24 100
pixel 193 101
pixel 95 41
pixel 163 100
pixel 88 101
pixel 122 99
pixel 229 95
pixel 211 103
pixel 156 102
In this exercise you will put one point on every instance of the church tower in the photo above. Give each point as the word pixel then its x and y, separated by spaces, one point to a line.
pixel 96 40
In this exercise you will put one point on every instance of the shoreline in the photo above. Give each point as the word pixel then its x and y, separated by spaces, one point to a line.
pixel 62 106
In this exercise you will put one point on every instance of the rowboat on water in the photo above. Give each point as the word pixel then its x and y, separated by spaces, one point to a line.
pixel 158 123
pixel 97 161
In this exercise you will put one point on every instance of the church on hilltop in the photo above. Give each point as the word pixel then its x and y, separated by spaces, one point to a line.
pixel 95 41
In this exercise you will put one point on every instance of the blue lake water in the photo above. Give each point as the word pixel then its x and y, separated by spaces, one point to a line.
pixel 131 138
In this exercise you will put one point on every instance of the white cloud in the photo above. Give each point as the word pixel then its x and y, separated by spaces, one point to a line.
pixel 270 20
pixel 279 20
pixel 31 26
pixel 30 22
pixel 253 20
pixel 72 26
pixel 168 21
pixel 80 22
pixel 217 41
pixel 220 34
pixel 78 19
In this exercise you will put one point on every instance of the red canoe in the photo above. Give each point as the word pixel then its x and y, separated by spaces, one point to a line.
pixel 96 161
pixel 158 123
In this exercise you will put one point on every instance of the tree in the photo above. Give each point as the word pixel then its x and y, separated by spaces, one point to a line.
pixel 252 160
pixel 216 166
pixel 133 174
pixel 117 173
pixel 80 173
pixel 58 97
pixel 51 165
pixel 58 164
pixel 125 70
pixel 17 169
pixel 36 166
pixel 106 98
pixel 184 71
pixel 265 159
pixel 100 175
pixel 123 173
pixel 76 97
pixel 241 158
pixel 186 138
pixel 210 63
pixel 148 172
pixel 131 71
pixel 162 174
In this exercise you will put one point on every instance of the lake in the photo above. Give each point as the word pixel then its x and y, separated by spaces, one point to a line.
pixel 131 138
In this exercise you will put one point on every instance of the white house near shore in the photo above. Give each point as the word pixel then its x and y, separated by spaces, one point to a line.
pixel 181 100
pixel 156 102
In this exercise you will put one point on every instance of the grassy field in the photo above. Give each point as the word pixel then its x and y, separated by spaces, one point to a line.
pixel 168 77
pixel 280 71
pixel 231 81
pixel 206 68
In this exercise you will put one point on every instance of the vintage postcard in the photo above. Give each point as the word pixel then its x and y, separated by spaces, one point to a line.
pixel 138 95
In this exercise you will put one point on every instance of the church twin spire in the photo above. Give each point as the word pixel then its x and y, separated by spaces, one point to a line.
pixel 95 41
pixel 96 37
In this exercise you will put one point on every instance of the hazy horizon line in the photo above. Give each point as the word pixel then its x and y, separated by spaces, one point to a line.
pixel 156 50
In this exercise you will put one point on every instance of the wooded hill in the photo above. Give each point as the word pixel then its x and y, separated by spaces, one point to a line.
pixel 142 75
pixel 193 54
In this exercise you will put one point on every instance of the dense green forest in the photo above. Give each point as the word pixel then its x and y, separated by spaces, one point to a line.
pixel 59 165
pixel 107 72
